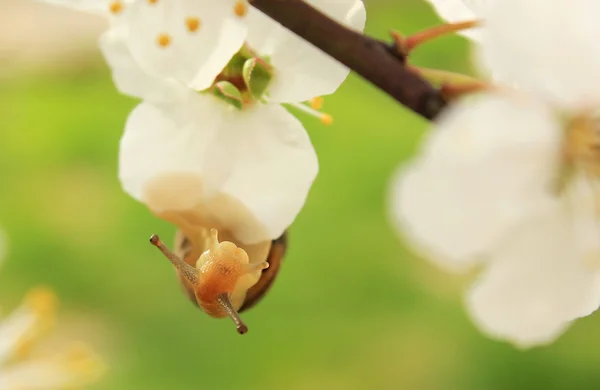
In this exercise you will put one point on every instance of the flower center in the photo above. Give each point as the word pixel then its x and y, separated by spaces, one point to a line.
pixel 245 81
pixel 582 145
pixel 580 151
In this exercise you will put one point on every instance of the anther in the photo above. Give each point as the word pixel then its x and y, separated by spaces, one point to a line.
pixel 42 301
pixel 163 40
pixel 240 9
pixel 192 24
pixel 115 7
pixel 317 102
pixel 152 2
pixel 326 119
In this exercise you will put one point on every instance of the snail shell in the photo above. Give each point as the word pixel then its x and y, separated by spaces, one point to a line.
pixel 271 252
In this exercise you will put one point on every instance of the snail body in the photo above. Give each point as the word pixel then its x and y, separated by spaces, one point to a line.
pixel 223 280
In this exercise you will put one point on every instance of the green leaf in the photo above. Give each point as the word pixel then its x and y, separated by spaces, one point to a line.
pixel 257 76
pixel 228 92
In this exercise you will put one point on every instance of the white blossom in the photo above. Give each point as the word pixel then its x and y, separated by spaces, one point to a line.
pixel 192 41
pixel 190 155
pixel 510 180
pixel 461 195
pixel 549 49
pixel 21 368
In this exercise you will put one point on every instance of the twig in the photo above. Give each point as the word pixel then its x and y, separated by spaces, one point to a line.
pixel 376 61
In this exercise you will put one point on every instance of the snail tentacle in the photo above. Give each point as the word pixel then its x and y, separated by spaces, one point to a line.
pixel 189 272
pixel 225 302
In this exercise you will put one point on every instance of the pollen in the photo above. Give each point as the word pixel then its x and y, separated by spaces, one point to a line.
pixel 582 144
pixel 317 102
pixel 192 24
pixel 81 361
pixel 42 302
pixel 163 40
pixel 115 7
pixel 152 2
pixel 326 119
pixel 240 9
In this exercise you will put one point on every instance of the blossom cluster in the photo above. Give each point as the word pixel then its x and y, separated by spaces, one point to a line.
pixel 509 179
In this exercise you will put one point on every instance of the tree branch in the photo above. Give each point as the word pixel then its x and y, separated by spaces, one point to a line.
pixel 374 60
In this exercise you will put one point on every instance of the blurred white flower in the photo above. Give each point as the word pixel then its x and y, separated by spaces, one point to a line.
pixel 21 369
pixel 455 11
pixel 513 181
pixel 547 48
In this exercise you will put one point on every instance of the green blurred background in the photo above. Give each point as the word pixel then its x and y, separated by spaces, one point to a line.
pixel 351 309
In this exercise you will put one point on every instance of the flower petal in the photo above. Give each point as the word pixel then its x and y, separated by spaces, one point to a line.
pixel 582 197
pixel 188 40
pixel 486 165
pixel 536 283
pixel 24 326
pixel 302 70
pixel 95 6
pixel 247 172
pixel 549 48
pixel 155 144
pixel 74 368
pixel 277 167
pixel 127 75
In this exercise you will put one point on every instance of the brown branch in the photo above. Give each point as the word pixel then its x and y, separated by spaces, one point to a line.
pixel 374 60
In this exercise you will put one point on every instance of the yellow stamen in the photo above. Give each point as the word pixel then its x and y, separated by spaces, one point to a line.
pixel 326 119
pixel 582 145
pixel 192 24
pixel 115 7
pixel 240 9
pixel 81 361
pixel 42 301
pixel 152 2
pixel 163 40
pixel 317 102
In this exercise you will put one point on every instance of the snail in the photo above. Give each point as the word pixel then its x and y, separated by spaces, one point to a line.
pixel 221 278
